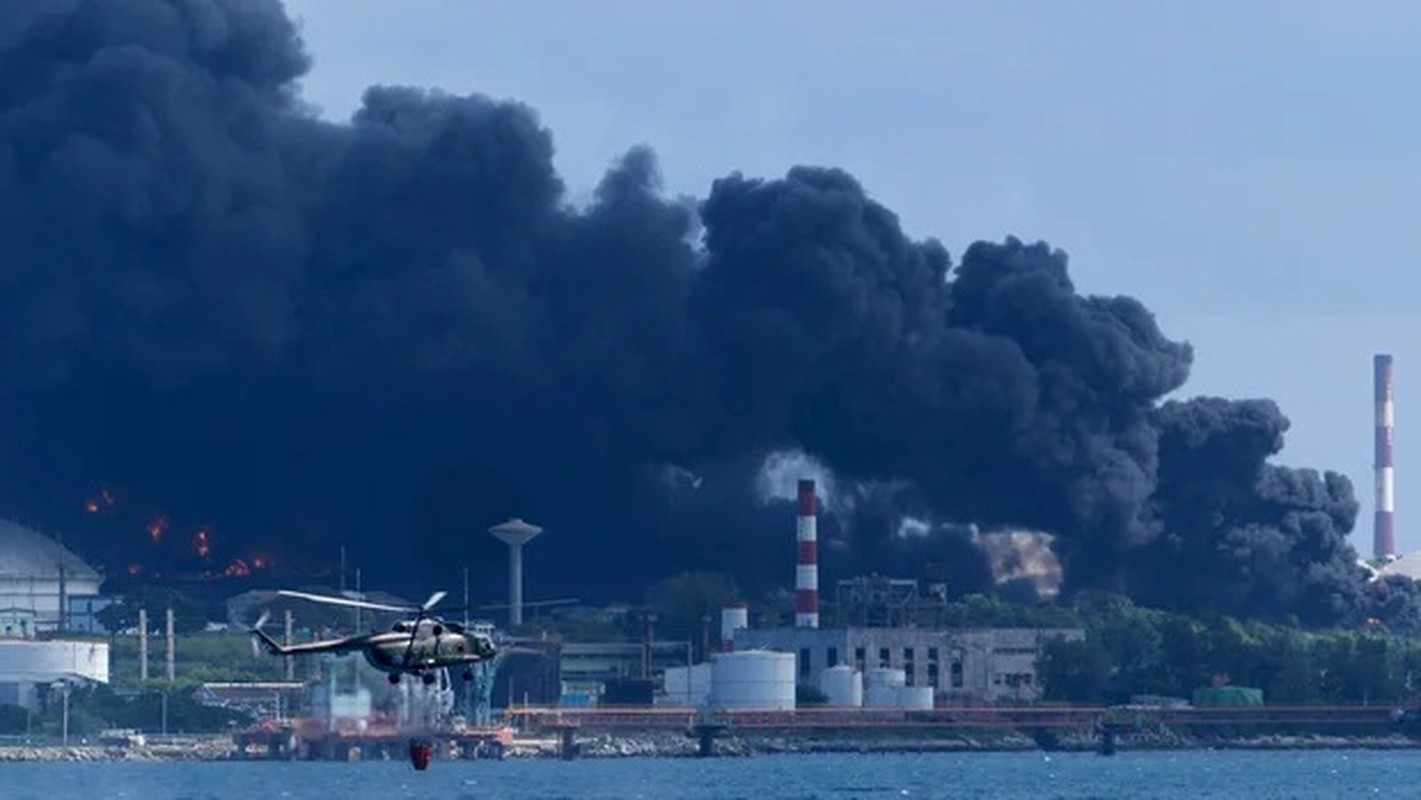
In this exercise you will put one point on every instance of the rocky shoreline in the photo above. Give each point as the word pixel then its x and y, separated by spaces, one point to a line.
pixel 672 745
pixel 663 744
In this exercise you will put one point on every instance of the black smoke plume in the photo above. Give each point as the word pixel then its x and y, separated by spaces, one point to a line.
pixel 390 333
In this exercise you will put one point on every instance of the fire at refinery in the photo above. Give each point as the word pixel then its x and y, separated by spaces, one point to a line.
pixel 141 545
pixel 157 526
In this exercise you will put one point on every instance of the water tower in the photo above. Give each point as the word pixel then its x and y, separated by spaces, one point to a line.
pixel 515 533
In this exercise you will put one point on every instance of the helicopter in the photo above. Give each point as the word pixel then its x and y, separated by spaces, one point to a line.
pixel 417 647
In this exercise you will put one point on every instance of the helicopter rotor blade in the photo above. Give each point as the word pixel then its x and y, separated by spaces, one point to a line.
pixel 534 604
pixel 345 601
pixel 433 600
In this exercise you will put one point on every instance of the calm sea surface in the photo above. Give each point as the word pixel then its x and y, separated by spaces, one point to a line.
pixel 1222 774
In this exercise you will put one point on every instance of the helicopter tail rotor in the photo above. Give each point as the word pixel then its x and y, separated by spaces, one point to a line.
pixel 257 634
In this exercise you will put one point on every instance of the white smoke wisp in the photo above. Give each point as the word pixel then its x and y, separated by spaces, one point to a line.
pixel 1022 554
pixel 780 474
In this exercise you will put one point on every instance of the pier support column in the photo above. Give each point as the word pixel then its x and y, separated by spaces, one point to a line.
pixel 1109 735
pixel 704 735
pixel 567 742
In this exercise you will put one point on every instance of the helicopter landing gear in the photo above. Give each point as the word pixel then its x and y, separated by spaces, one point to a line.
pixel 428 678
pixel 394 677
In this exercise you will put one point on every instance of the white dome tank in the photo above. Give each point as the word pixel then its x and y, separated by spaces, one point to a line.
pixel 843 686
pixel 916 698
pixel 753 679
pixel 885 676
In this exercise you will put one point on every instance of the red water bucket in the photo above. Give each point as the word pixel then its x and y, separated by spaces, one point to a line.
pixel 420 753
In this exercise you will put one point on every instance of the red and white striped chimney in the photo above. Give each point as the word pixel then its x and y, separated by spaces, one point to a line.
pixel 806 570
pixel 1383 530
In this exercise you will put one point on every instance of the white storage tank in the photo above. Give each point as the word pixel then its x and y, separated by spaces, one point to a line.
pixel 885 676
pixel 881 686
pixel 916 698
pixel 700 683
pixel 686 686
pixel 753 679
pixel 38 661
pixel 676 686
pixel 843 686
pixel 880 697
pixel 732 619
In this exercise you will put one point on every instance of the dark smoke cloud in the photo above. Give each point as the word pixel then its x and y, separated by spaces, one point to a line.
pixel 393 332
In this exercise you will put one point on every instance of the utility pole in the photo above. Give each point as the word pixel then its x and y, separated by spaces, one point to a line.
pixel 171 645
pixel 143 644
pixel 290 663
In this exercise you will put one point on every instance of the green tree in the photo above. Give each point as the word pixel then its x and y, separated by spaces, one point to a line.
pixel 683 600
pixel 1074 671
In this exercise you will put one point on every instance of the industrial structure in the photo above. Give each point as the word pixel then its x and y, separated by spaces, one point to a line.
pixel 957 667
pixel 888 647
pixel 40 579
pixel 30 668
pixel 1383 526
pixel 515 533
pixel 806 573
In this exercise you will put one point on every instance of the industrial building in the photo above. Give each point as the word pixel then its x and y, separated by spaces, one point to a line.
pixel 888 648
pixel 38 577
pixel 585 668
pixel 30 668
pixel 987 665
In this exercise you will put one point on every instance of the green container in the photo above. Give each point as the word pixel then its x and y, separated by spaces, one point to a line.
pixel 1227 697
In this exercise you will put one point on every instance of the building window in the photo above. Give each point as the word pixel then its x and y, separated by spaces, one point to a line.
pixel 932 655
pixel 833 658
pixel 859 657
pixel 956 674
pixel 804 662
pixel 932 674
pixel 883 656
pixel 908 666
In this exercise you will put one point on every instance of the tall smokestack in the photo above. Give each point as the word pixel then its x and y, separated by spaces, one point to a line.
pixel 806 572
pixel 1383 531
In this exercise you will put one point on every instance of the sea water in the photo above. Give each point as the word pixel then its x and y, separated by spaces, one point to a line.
pixel 1258 775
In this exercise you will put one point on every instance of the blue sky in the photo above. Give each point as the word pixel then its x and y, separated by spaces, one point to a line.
pixel 1248 170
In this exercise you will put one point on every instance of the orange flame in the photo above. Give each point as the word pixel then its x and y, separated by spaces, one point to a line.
pixel 157 526
pixel 237 568
pixel 258 562
pixel 201 543
pixel 135 569
pixel 105 499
